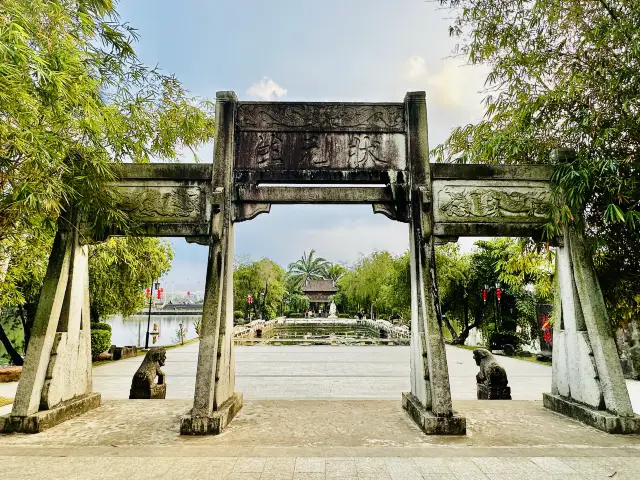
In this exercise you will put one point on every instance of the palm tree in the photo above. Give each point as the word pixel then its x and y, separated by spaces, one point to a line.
pixel 308 267
pixel 335 271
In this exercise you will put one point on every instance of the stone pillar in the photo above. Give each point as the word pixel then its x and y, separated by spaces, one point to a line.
pixel 587 380
pixel 215 403
pixel 56 379
pixel 429 402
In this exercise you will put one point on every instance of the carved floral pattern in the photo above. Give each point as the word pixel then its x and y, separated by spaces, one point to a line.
pixel 492 202
pixel 328 117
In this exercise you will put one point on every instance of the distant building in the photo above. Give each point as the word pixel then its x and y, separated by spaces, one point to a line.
pixel 319 293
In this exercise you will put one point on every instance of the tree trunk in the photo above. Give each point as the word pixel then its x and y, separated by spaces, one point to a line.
pixel 464 334
pixel 452 330
pixel 16 359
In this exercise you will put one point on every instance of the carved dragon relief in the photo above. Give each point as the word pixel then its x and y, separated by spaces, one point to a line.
pixel 336 117
pixel 494 203
pixel 179 203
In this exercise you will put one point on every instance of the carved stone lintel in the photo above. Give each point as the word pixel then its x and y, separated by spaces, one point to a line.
pixel 248 211
pixel 342 117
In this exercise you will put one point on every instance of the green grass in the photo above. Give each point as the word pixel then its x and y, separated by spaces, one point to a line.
pixel 5 401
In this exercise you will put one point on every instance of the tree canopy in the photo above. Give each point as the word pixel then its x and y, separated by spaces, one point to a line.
pixel 308 267
pixel 74 100
pixel 564 74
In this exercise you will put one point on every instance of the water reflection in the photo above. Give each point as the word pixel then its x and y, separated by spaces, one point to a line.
pixel 132 330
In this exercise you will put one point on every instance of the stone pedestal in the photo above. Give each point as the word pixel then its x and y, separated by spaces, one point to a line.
pixel 431 424
pixel 212 424
pixel 157 392
pixel 46 419
pixel 486 392
pixel 600 419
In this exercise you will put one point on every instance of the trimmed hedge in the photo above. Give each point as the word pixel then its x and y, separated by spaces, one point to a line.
pixel 101 326
pixel 100 341
pixel 296 315
pixel 238 314
pixel 344 315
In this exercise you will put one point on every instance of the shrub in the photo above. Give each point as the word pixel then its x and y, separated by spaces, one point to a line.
pixel 296 315
pixel 344 315
pixel 101 326
pixel 238 314
pixel 269 312
pixel 100 341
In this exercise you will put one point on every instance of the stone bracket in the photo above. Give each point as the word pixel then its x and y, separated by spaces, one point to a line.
pixel 249 211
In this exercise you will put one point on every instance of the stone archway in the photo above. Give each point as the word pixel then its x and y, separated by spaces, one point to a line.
pixel 353 146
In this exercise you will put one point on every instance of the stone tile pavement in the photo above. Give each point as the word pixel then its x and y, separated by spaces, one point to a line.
pixel 314 468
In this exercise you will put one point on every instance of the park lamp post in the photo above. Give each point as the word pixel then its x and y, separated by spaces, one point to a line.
pixel 150 293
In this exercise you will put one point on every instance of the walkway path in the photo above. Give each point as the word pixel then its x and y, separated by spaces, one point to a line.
pixel 328 372
pixel 345 438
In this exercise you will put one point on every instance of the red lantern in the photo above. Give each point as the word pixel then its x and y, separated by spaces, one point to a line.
pixel 498 293
pixel 159 294
pixel 249 299
pixel 147 292
pixel 484 295
pixel 188 293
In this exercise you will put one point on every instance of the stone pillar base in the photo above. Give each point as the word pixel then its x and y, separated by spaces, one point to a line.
pixel 600 419
pixel 216 422
pixel 45 419
pixel 431 424
pixel 493 393
pixel 157 392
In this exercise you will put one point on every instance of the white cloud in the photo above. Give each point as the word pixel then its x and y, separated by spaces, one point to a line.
pixel 266 89
pixel 454 87
pixel 415 67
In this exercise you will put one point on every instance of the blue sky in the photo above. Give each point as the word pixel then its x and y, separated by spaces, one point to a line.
pixel 330 50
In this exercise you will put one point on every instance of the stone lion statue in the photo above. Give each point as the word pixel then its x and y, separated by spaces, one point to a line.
pixel 143 384
pixel 491 373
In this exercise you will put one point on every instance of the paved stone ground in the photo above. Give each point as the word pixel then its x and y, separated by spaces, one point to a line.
pixel 306 437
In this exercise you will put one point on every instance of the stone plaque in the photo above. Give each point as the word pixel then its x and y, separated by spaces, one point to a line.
pixel 321 117
pixel 506 201
pixel 313 151
pixel 164 203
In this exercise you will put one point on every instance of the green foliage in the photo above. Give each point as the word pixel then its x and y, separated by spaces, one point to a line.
pixel 563 73
pixel 265 281
pixel 101 326
pixel 295 315
pixel 308 267
pixel 238 314
pixel 100 341
pixel 523 272
pixel 75 99
pixel 344 315
pixel 119 271
pixel 379 279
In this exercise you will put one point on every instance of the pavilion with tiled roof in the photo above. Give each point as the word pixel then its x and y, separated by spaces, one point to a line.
pixel 319 293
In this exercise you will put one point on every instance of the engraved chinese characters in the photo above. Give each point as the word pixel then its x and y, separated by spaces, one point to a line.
pixel 291 136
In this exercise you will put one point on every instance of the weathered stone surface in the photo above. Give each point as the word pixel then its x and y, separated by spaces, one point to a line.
pixel 492 378
pixel 143 385
pixel 321 117
pixel 431 424
pixel 312 151
pixel 486 392
pixel 215 423
pixel 10 374
pixel 600 419
pixel 120 353
pixel 45 419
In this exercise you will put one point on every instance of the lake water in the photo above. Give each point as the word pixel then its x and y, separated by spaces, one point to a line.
pixel 132 330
